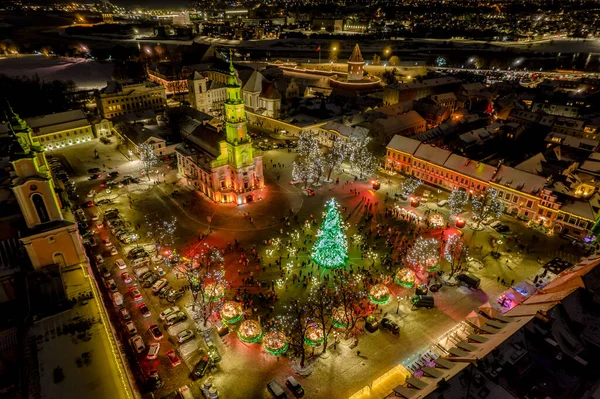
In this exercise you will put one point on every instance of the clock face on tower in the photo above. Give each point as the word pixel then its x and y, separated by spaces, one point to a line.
pixel 33 187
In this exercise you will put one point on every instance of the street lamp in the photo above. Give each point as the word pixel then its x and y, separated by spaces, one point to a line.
pixel 398 307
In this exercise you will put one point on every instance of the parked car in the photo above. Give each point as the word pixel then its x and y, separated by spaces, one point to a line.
pixel 126 277
pixel 469 280
pixel 113 251
pixel 94 170
pixel 390 325
pixel 201 368
pixel 124 313
pixel 120 263
pixel 294 386
pixel 145 311
pixel 130 327
pixel 137 343
pixel 99 259
pixel 309 192
pixel 276 390
pixel 154 380
pixel 159 285
pixel 111 285
pixel 153 351
pixel 105 272
pixel 175 318
pixel 442 203
pixel 184 335
pixel 135 294
pixel 173 358
pixel 155 331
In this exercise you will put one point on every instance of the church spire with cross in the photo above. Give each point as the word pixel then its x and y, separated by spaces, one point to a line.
pixel 235 111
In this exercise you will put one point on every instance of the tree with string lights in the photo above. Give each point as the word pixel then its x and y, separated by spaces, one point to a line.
pixel 148 158
pixel 334 157
pixel 458 200
pixel 487 205
pixel 161 231
pixel 409 186
pixel 424 255
pixel 456 253
pixel 331 247
pixel 361 157
pixel 322 302
pixel 205 273
pixel 308 165
pixel 352 302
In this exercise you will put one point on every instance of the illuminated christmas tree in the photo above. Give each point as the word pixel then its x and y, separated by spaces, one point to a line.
pixel 331 248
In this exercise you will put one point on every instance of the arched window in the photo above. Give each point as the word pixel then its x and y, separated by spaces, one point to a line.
pixel 58 258
pixel 40 208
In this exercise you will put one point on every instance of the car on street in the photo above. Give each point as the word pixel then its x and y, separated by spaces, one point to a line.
pixel 133 252
pixel 114 174
pixel 91 193
pixel 495 224
pixel 185 335
pixel 95 176
pixel 153 278
pixel 90 204
pixel 144 310
pixel 99 224
pixel 99 259
pixel 113 251
pixel 173 358
pixel 294 386
pixel 124 313
pixel 153 350
pixel 106 241
pixel 126 277
pixel 442 203
pixel 105 201
pixel 309 192
pixel 502 228
pixel 155 331
pixel 94 170
pixel 160 284
pixel 201 368
pixel 135 294
pixel 137 343
pixel 111 285
pixel 121 264
pixel 390 325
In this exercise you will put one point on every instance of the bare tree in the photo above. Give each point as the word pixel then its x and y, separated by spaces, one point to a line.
pixel 334 157
pixel 206 275
pixel 322 303
pixel 352 303
pixel 148 158
pixel 295 324
pixel 456 253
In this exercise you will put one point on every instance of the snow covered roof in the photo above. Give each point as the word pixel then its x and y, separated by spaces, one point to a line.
pixel 519 180
pixel 435 155
pixel 409 119
pixel 415 84
pixel 587 209
pixel 47 124
pixel 254 84
pixel 533 164
pixel 404 144
pixel 346 131
pixel 474 169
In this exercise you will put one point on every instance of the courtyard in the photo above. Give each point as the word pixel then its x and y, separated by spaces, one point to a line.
pixel 266 246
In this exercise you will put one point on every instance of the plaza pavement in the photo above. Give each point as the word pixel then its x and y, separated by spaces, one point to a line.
pixel 343 373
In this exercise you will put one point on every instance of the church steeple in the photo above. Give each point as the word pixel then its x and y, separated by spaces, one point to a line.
pixel 22 144
pixel 235 112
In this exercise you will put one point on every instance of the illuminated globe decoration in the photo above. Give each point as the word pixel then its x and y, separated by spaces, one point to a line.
pixel 250 331
pixel 379 294
pixel 406 278
pixel 340 318
pixel 314 335
pixel 275 343
pixel 231 312
pixel 436 220
pixel 331 247
pixel 214 291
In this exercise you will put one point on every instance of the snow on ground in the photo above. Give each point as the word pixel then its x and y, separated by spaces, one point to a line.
pixel 86 74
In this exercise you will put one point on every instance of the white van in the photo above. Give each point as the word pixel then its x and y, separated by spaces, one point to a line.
pixel 185 392
pixel 117 298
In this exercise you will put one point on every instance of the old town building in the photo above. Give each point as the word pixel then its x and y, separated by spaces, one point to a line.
pixel 121 99
pixel 222 165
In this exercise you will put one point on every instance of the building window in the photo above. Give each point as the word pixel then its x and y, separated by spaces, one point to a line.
pixel 40 208
pixel 529 204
